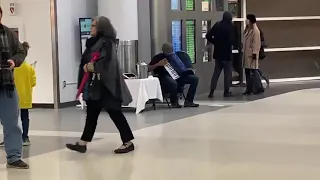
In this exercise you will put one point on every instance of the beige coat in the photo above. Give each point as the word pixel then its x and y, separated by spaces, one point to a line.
pixel 252 45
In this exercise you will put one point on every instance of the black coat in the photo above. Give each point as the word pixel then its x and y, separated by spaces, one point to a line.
pixel 115 92
pixel 222 37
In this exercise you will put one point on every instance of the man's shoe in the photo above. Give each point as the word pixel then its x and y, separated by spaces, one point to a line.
pixel 18 165
pixel 77 147
pixel 2 144
pixel 227 94
pixel 125 148
pixel 176 105
pixel 190 104
pixel 211 94
pixel 26 142
pixel 247 93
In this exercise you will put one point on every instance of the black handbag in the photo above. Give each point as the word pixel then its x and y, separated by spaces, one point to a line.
pixel 95 87
pixel 262 53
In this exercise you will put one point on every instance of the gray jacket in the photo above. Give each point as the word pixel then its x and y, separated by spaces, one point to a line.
pixel 16 51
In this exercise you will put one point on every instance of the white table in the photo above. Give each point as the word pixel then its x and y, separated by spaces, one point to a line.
pixel 143 90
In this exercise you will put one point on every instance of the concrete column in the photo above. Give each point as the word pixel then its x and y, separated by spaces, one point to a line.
pixel 123 15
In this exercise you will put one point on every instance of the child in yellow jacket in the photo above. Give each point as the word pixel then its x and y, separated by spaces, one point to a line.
pixel 25 81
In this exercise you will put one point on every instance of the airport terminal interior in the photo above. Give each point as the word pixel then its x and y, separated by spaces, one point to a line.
pixel 274 135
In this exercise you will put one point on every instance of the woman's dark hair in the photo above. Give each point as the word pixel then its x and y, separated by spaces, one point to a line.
pixel 252 18
pixel 1 10
pixel 105 28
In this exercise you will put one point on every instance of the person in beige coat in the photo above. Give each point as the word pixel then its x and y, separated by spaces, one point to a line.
pixel 251 48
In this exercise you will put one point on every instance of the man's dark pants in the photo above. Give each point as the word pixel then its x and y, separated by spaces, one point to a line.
pixel 172 86
pixel 226 66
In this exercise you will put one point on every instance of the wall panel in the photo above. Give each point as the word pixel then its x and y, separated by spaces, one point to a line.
pixel 291 64
pixel 300 33
pixel 283 8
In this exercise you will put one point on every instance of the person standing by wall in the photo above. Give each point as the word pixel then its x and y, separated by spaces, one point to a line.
pixel 25 81
pixel 221 36
pixel 251 49
pixel 12 55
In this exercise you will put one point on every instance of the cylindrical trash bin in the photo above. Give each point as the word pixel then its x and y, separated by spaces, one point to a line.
pixel 128 56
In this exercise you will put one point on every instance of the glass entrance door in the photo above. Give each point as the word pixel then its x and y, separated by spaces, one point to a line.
pixel 189 21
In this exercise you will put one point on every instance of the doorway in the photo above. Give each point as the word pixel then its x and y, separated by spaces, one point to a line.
pixel 185 24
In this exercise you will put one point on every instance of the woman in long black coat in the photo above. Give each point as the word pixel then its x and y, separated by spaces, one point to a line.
pixel 108 90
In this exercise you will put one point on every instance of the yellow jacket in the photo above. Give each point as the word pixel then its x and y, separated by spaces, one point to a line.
pixel 25 80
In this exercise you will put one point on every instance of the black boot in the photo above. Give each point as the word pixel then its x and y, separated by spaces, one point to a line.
pixel 211 94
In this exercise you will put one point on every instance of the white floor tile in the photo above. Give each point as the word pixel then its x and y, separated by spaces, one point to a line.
pixel 271 139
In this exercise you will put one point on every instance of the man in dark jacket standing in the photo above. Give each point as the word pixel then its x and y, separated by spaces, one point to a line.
pixel 12 55
pixel 221 36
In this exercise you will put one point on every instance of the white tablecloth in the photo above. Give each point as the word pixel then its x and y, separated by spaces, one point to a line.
pixel 142 90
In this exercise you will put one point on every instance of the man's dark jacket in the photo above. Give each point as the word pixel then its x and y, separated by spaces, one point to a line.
pixel 222 37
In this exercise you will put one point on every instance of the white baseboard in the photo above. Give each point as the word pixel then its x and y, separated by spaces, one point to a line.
pixel 295 79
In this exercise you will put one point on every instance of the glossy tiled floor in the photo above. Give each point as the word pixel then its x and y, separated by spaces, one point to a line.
pixel 267 139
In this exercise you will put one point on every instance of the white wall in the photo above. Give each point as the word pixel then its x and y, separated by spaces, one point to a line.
pixel 33 20
pixel 123 15
pixel 68 14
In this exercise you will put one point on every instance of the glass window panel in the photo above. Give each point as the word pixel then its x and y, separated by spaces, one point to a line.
pixel 234 6
pixel 238 35
pixel 176 33
pixel 206 5
pixel 206 25
pixel 190 39
pixel 190 5
pixel 220 5
pixel 175 5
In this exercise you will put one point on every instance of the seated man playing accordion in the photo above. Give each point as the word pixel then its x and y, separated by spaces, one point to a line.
pixel 174 73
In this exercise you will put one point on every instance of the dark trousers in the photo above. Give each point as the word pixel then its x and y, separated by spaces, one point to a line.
pixel 93 111
pixel 248 73
pixel 172 86
pixel 237 65
pixel 226 66
pixel 24 114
